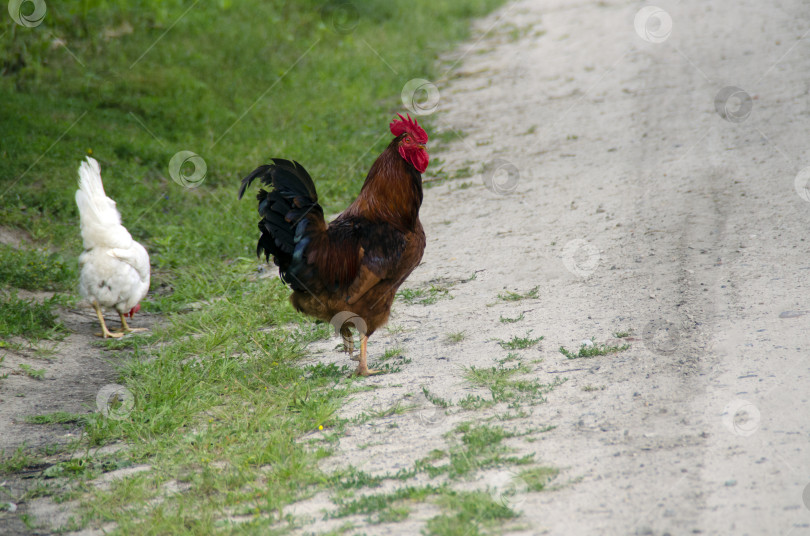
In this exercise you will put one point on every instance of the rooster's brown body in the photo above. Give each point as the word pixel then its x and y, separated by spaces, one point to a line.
pixel 355 264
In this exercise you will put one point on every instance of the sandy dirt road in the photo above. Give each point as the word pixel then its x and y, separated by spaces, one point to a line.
pixel 646 198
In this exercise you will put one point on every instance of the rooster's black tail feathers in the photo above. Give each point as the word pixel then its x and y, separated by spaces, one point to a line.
pixel 290 213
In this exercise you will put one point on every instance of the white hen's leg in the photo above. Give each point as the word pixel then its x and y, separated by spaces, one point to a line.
pixel 125 328
pixel 104 331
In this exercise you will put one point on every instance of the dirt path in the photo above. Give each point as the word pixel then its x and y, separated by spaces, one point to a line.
pixel 637 207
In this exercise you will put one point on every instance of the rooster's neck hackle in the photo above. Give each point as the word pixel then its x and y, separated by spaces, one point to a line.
pixel 392 191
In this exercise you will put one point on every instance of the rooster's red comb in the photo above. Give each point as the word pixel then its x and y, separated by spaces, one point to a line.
pixel 403 125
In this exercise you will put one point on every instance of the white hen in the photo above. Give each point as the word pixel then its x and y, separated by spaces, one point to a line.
pixel 114 267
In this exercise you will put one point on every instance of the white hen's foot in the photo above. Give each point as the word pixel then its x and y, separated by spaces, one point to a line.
pixel 106 333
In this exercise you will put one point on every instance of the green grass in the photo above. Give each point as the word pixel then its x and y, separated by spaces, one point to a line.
pixel 507 320
pixel 506 385
pixel 456 337
pixel 510 296
pixel 28 318
pixel 35 269
pixel 20 459
pixel 220 400
pixel 31 372
pixel 57 417
pixel 519 343
pixel 474 513
pixel 537 478
pixel 592 351
pixel 423 296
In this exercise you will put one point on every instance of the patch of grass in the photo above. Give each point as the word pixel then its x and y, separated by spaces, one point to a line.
pixel 510 357
pixel 392 352
pixel 516 296
pixel 35 269
pixel 505 385
pixel 519 343
pixel 473 402
pixel 379 502
pixel 592 350
pixel 473 512
pixel 19 460
pixel 31 372
pixel 456 337
pixel 479 448
pixel 537 478
pixel 57 417
pixel 424 296
pixel 507 320
pixel 435 399
pixel 463 172
pixel 591 388
pixel 29 319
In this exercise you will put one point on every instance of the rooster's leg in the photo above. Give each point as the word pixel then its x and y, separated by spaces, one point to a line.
pixel 362 367
pixel 348 342
pixel 104 331
pixel 125 328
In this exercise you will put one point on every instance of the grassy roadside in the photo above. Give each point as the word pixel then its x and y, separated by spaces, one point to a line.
pixel 220 404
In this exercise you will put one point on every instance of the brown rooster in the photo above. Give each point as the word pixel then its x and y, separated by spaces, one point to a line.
pixel 353 266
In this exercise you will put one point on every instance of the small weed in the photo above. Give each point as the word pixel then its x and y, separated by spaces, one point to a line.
pixel 58 417
pixel 537 478
pixel 456 337
pixel 506 320
pixel 463 173
pixel 519 343
pixel 516 296
pixel 472 402
pixel 424 296
pixel 591 388
pixel 473 511
pixel 391 353
pixel 434 399
pixel 592 351
pixel 31 372
pixel 372 504
pixel 505 387
pixel 511 356
pixel 21 459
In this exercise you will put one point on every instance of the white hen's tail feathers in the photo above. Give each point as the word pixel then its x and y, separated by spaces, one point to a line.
pixel 100 220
